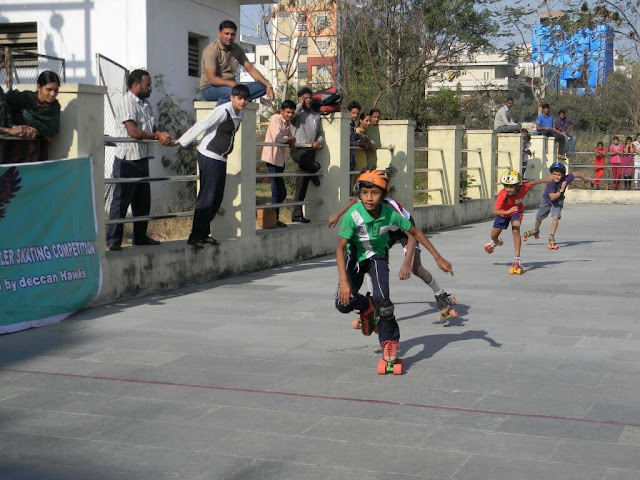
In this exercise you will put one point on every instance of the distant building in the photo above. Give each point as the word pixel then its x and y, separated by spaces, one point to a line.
pixel 585 59
pixel 303 37
pixel 480 72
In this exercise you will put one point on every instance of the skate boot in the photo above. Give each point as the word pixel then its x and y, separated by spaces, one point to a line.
pixel 516 268
pixel 390 363
pixel 552 245
pixel 367 318
pixel 357 323
pixel 530 233
pixel 444 302
pixel 490 247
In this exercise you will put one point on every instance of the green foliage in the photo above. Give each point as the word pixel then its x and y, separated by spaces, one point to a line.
pixel 465 182
pixel 389 47
pixel 172 118
pixel 444 108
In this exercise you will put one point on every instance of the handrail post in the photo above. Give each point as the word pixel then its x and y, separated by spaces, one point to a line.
pixel 482 140
pixel 400 134
pixel 333 158
pixel 449 139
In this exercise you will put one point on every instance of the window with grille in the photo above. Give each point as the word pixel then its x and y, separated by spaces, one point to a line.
pixel 19 36
pixel 196 44
pixel 322 22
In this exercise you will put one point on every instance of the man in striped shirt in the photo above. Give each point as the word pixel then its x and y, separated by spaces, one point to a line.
pixel 135 120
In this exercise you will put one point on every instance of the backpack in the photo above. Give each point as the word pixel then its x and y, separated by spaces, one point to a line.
pixel 326 101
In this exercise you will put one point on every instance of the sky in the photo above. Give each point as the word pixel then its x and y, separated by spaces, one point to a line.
pixel 249 17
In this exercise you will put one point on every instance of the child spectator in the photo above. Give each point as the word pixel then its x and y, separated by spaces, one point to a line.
pixel 616 162
pixel 365 159
pixel 412 262
pixel 627 163
pixel 363 248
pixel 509 208
pixel 599 163
pixel 278 131
pixel 636 162
pixel 552 202
pixel 219 128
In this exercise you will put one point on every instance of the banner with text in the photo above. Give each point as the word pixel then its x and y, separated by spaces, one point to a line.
pixel 49 266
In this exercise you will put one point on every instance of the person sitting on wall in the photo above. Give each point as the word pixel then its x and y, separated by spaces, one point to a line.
pixel 503 123
pixel 34 116
pixel 220 61
pixel 545 126
pixel 565 125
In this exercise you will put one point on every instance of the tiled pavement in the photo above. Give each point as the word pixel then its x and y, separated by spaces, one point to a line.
pixel 259 377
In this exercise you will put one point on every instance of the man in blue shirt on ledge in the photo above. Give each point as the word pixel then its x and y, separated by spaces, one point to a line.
pixel 545 126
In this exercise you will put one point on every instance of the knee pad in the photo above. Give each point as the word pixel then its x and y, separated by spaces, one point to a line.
pixel 385 309
pixel 345 308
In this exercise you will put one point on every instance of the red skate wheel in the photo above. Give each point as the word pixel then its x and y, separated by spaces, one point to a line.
pixel 382 367
pixel 356 324
pixel 397 367
pixel 524 239
pixel 453 313
pixel 550 247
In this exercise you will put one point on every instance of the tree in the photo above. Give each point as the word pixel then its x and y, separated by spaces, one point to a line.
pixel 623 16
pixel 389 47
pixel 297 29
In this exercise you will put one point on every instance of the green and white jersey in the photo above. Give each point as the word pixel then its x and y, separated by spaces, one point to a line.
pixel 370 235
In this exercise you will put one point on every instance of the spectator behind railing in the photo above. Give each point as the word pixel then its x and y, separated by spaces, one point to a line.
pixel 307 128
pixel 366 157
pixel 278 131
pixel 33 116
pixel 134 119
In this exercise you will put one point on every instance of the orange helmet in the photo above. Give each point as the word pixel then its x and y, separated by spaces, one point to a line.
pixel 375 177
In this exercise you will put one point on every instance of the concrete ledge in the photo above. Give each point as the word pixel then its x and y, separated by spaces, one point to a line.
pixel 137 271
pixel 612 197
pixel 144 270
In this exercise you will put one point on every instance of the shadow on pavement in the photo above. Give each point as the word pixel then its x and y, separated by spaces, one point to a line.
pixel 528 266
pixel 432 344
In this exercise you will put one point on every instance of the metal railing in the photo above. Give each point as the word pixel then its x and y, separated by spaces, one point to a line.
pixel 113 141
pixel 610 181
pixel 23 67
pixel 429 169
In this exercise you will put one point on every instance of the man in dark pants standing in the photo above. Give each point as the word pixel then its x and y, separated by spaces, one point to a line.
pixel 307 128
pixel 135 120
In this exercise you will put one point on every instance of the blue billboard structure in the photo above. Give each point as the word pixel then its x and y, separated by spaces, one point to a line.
pixel 584 59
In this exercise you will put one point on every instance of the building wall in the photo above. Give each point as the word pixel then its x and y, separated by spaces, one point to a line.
pixel 150 34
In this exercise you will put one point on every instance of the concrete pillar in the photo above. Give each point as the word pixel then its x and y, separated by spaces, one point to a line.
pixel 82 134
pixel 508 154
pixel 334 159
pixel 400 134
pixel 551 154
pixel 537 161
pixel 485 178
pixel 202 110
pixel 446 144
pixel 238 211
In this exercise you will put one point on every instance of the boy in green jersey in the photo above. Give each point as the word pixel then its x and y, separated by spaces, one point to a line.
pixel 363 248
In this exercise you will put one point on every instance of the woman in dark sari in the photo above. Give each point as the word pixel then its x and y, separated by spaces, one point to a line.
pixel 34 116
